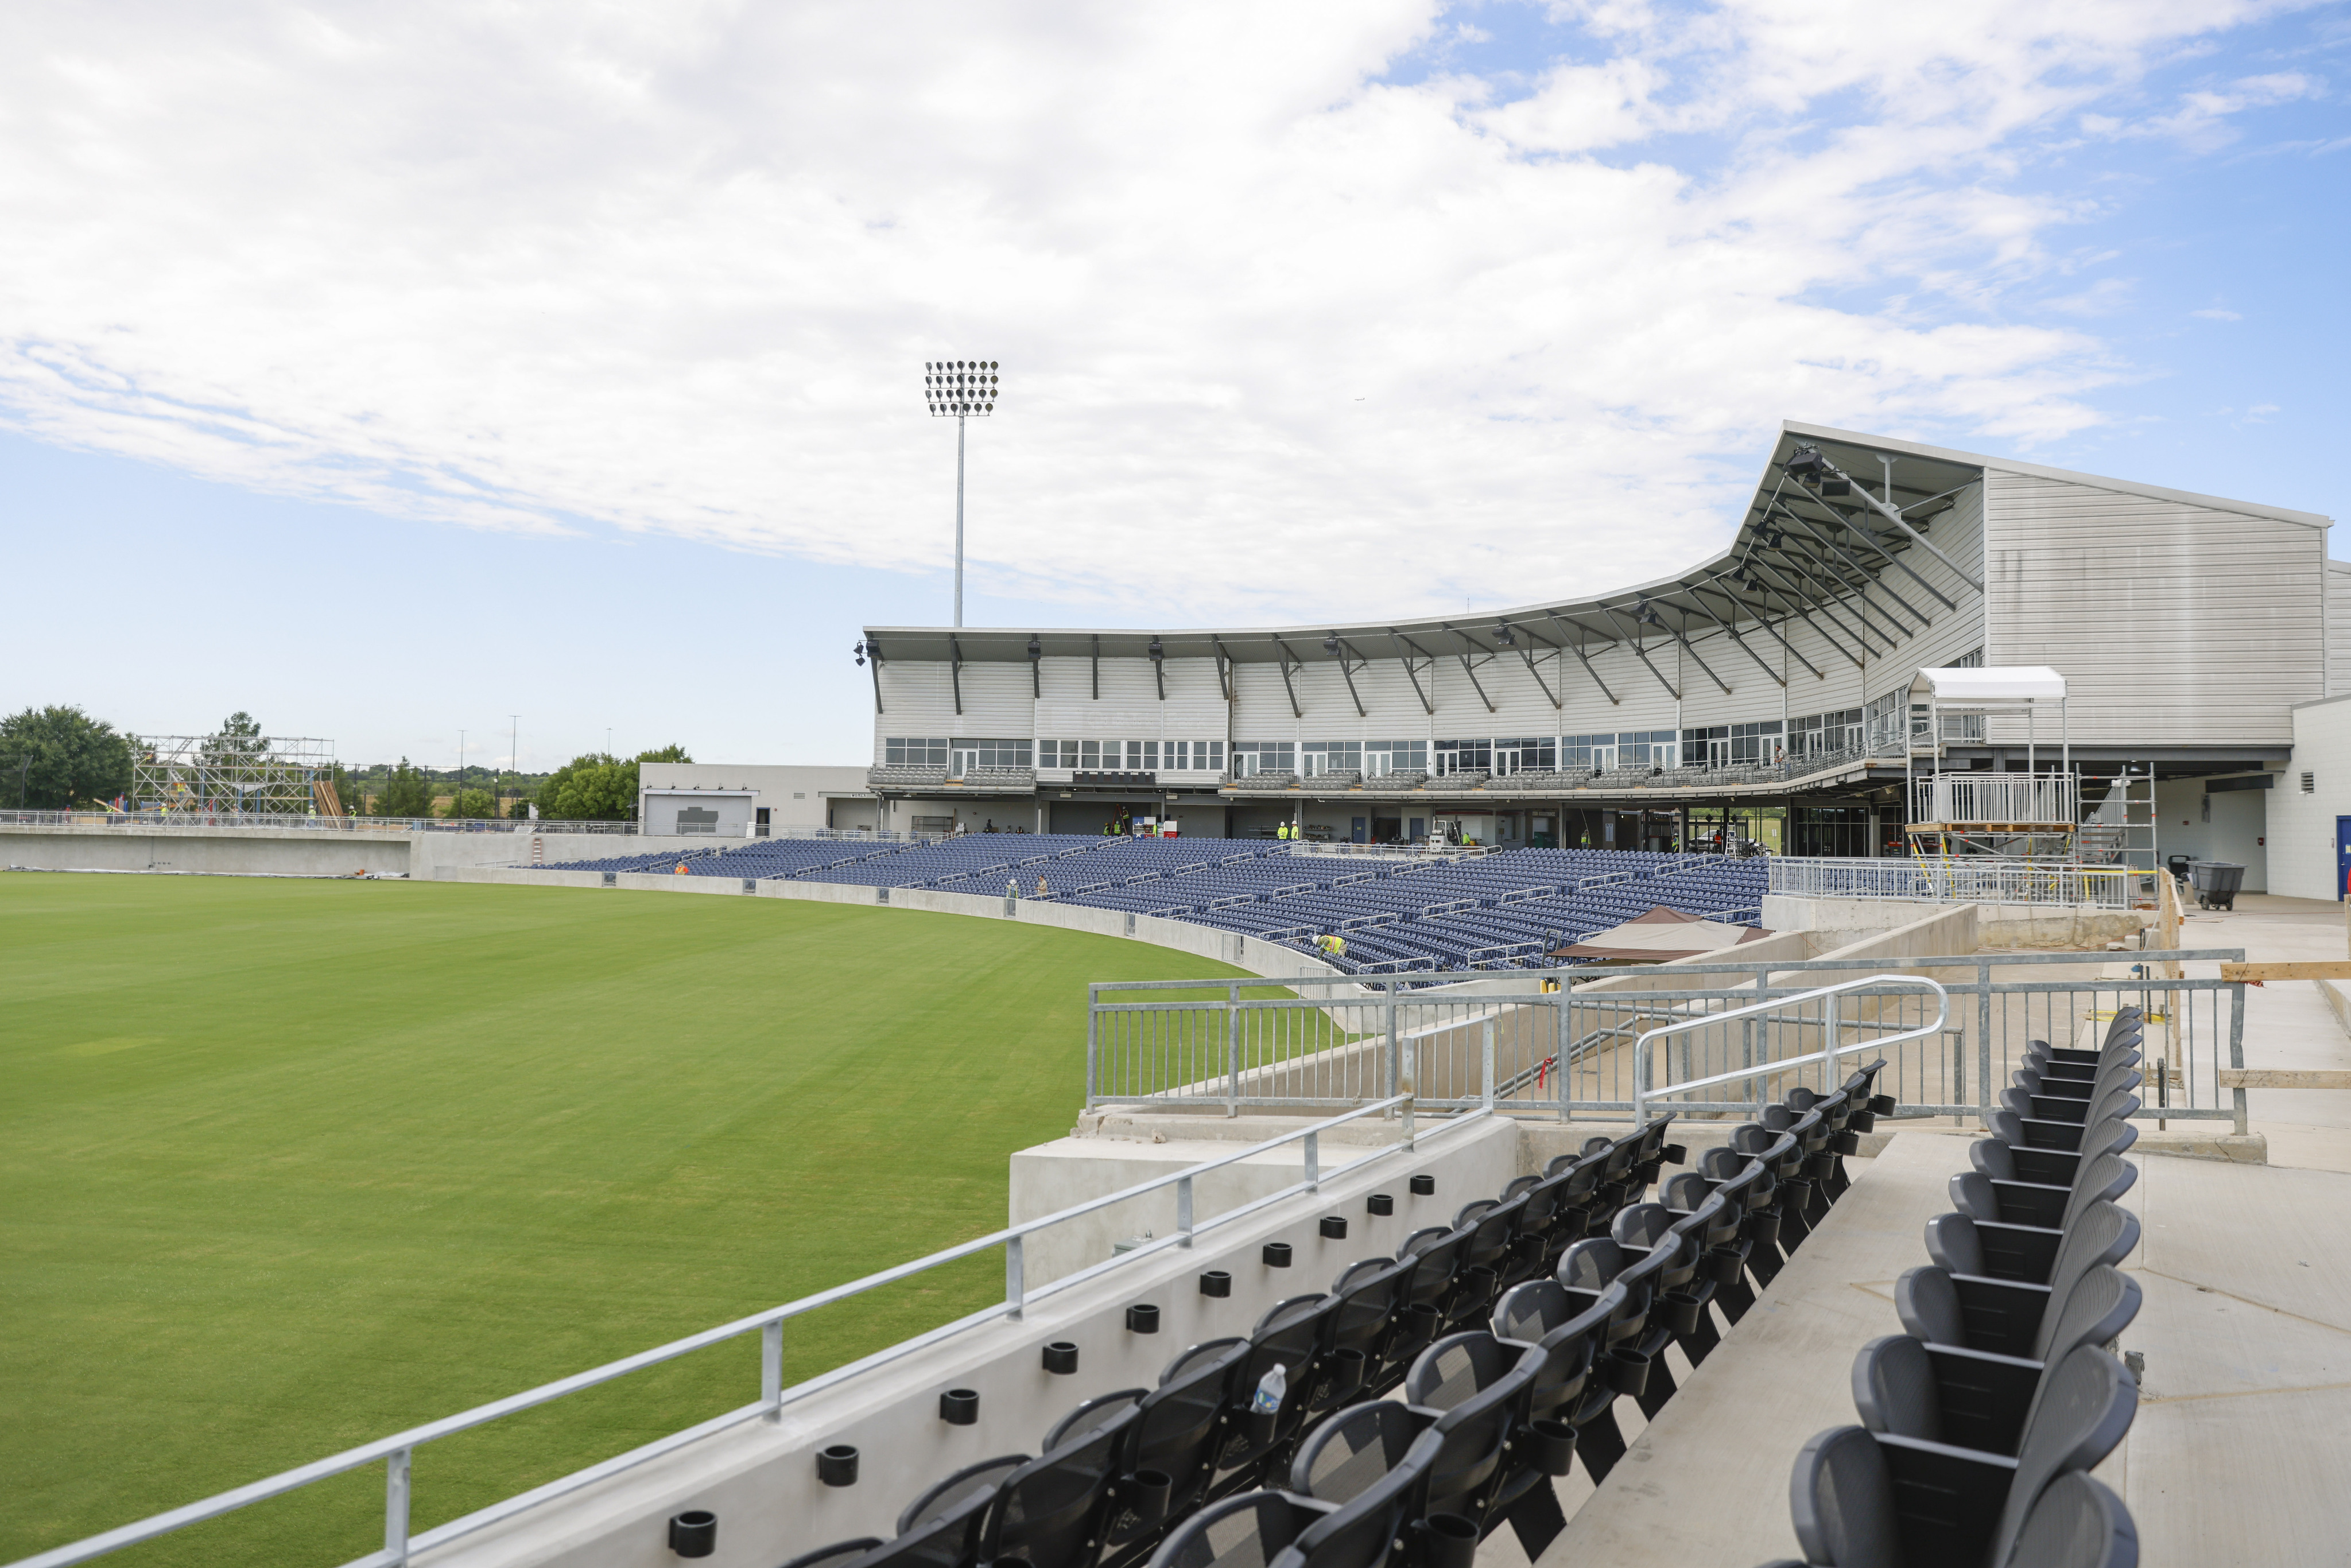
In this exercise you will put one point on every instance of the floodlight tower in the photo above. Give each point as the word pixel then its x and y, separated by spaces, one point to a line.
pixel 966 389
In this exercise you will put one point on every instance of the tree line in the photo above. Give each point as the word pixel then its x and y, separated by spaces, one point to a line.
pixel 59 759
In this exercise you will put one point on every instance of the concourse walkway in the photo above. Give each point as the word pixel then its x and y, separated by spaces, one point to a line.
pixel 2245 1405
pixel 2288 1023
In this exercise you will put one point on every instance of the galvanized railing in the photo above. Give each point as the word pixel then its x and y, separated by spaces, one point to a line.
pixel 1564 1046
pixel 1997 798
pixel 400 1542
pixel 1956 879
pixel 1756 1023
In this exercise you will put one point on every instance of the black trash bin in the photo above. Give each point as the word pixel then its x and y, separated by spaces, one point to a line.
pixel 2177 866
pixel 2216 884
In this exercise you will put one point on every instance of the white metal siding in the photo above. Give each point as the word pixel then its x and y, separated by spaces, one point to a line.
pixel 2339 629
pixel 2173 624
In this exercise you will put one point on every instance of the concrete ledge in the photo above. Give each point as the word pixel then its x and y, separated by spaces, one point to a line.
pixel 1247 954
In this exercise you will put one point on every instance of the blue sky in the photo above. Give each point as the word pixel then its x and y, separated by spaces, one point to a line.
pixel 388 384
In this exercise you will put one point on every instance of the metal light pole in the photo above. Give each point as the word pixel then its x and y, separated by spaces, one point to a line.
pixel 964 389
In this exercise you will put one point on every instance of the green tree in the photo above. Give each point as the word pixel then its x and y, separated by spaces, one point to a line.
pixel 53 759
pixel 473 803
pixel 597 787
pixel 406 792
pixel 238 735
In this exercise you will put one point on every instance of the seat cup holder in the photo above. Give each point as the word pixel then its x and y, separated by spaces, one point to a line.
pixel 1449 1541
pixel 1881 1105
pixel 1419 1322
pixel 1763 1227
pixel 1846 1143
pixel 1818 1167
pixel 1680 1311
pixel 1258 1426
pixel 1628 1370
pixel 1347 1366
pixel 1550 1444
pixel 1861 1122
pixel 1148 1493
pixel 1723 1265
pixel 837 1466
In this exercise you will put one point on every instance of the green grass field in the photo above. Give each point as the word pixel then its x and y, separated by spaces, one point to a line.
pixel 287 1165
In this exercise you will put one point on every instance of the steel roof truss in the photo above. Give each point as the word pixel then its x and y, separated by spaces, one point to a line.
pixel 1412 674
pixel 1878 545
pixel 1891 516
pixel 1735 637
pixel 1642 655
pixel 1288 660
pixel 1528 655
pixel 1801 569
pixel 1764 621
pixel 1867 576
pixel 1796 601
pixel 1576 648
pixel 1348 673
pixel 1470 669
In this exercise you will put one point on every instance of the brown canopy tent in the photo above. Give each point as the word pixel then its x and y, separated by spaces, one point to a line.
pixel 1657 937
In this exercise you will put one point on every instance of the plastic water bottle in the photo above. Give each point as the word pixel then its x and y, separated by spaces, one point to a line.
pixel 1271 1388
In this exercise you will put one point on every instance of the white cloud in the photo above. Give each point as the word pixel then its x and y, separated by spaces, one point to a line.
pixel 2203 122
pixel 2217 314
pixel 1275 334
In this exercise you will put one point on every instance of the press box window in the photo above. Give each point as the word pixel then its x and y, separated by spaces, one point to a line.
pixel 915 753
pixel 994 753
pixel 1251 758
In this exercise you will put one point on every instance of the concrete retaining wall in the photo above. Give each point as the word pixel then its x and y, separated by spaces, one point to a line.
pixel 1256 957
pixel 760 1478
pixel 299 852
pixel 1996 925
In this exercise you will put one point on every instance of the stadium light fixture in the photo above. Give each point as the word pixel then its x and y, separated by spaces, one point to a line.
pixel 860 651
pixel 1158 650
pixel 1036 649
pixel 1504 635
pixel 961 389
pixel 1805 462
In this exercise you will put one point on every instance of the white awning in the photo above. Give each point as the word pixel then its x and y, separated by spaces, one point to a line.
pixel 2013 683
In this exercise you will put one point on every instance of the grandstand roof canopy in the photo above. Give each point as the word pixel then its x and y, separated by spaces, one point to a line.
pixel 1808 536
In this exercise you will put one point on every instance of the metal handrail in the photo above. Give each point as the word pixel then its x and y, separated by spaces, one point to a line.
pixel 1643 1093
pixel 395 1450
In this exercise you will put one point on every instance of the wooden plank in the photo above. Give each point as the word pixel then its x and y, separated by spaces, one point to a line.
pixel 2286 1078
pixel 2313 969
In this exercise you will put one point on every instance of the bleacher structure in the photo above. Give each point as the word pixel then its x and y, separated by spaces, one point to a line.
pixel 1400 915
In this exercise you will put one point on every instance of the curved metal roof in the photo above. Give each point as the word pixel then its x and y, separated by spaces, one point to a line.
pixel 1812 538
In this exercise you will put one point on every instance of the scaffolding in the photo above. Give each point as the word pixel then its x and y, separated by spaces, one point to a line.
pixel 233 775
pixel 2032 816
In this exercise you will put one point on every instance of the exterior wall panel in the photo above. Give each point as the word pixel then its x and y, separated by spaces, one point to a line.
pixel 2173 624
pixel 2339 629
